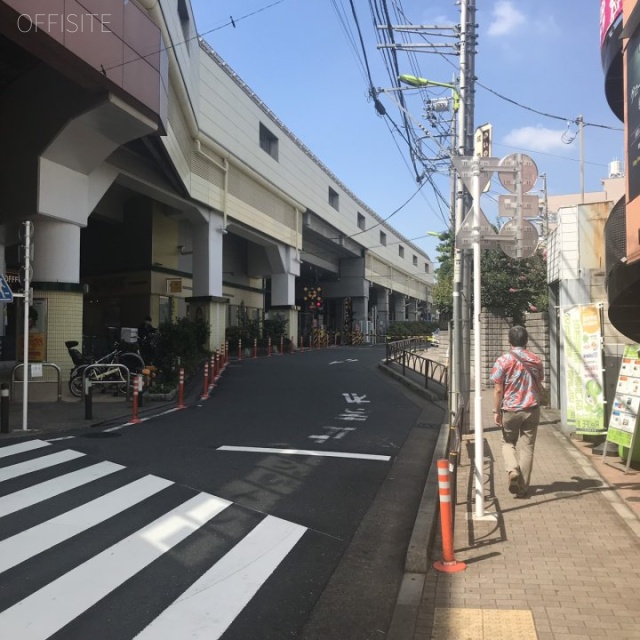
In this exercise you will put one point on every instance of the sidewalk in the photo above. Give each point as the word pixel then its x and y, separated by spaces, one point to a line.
pixel 563 564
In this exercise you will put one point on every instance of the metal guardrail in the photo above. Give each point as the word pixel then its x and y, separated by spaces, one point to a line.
pixel 36 381
pixel 405 353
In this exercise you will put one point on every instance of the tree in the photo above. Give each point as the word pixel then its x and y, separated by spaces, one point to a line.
pixel 443 290
pixel 514 286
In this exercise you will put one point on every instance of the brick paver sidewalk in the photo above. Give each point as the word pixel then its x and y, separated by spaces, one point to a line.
pixel 563 564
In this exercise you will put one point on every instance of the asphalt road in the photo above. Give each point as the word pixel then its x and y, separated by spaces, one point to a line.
pixel 281 507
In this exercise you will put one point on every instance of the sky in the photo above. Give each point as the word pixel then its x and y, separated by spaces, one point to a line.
pixel 537 66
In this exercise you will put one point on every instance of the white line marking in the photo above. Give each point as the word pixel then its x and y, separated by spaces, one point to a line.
pixel 305 452
pixel 12 449
pixel 45 490
pixel 61 438
pixel 45 462
pixel 210 605
pixel 46 611
pixel 29 543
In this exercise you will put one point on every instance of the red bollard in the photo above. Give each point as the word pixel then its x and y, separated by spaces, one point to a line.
pixel 137 383
pixel 448 564
pixel 181 404
pixel 205 382
pixel 239 349
pixel 269 348
pixel 255 348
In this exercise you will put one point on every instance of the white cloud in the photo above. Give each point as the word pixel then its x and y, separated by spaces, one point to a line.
pixel 506 19
pixel 535 139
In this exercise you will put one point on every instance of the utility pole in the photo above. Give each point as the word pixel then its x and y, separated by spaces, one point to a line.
pixel 461 361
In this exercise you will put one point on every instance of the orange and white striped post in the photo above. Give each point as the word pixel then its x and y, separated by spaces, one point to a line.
pixel 212 371
pixel 226 354
pixel 255 348
pixel 137 386
pixel 181 404
pixel 205 382
pixel 448 564
pixel 269 347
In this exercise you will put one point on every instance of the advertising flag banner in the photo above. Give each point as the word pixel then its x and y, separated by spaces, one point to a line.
pixel 582 333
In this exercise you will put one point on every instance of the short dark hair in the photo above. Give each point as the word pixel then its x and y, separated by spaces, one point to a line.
pixel 518 336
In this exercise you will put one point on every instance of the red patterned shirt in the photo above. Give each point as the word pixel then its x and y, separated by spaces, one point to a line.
pixel 521 373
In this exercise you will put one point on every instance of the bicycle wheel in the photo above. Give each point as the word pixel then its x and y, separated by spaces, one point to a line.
pixel 75 386
pixel 132 361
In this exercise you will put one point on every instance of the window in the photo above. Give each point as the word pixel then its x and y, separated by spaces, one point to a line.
pixel 383 238
pixel 415 261
pixel 401 251
pixel 361 223
pixel 426 267
pixel 268 142
pixel 183 14
pixel 334 199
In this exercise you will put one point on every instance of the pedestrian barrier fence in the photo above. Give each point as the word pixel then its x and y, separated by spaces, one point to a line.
pixel 408 355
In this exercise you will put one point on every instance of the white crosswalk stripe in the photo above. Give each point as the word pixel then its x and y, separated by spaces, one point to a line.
pixel 20 547
pixel 231 583
pixel 205 609
pixel 38 464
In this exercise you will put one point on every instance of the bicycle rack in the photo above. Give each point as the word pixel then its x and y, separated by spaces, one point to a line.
pixel 33 381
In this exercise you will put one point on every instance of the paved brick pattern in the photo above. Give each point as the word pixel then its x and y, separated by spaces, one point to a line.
pixel 565 554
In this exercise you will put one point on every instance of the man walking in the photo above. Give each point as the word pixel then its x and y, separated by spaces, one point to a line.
pixel 517 377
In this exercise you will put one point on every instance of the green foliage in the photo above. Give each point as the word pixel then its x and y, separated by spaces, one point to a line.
pixel 275 328
pixel 182 343
pixel 514 286
pixel 443 290
pixel 400 330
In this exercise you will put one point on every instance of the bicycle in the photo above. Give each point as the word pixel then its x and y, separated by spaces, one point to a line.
pixel 107 376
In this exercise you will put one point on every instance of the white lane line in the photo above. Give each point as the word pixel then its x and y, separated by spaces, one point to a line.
pixel 305 452
pixel 46 611
pixel 45 490
pixel 12 449
pixel 210 605
pixel 29 543
pixel 45 462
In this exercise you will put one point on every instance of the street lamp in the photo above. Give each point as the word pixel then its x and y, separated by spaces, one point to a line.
pixel 415 81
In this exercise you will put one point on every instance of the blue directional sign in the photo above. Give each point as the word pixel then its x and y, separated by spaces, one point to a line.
pixel 6 295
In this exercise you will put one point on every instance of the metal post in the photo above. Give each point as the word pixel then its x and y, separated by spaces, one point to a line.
pixel 88 399
pixel 4 408
pixel 28 227
pixel 477 351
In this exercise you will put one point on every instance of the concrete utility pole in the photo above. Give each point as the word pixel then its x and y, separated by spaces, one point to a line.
pixel 461 343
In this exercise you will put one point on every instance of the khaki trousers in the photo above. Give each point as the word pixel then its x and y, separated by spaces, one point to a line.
pixel 519 431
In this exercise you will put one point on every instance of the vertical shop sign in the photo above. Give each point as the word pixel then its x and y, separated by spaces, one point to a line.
pixel 582 333
pixel 624 415
pixel 37 331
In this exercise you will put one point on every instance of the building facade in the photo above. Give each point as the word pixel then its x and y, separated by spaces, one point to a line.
pixel 158 183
